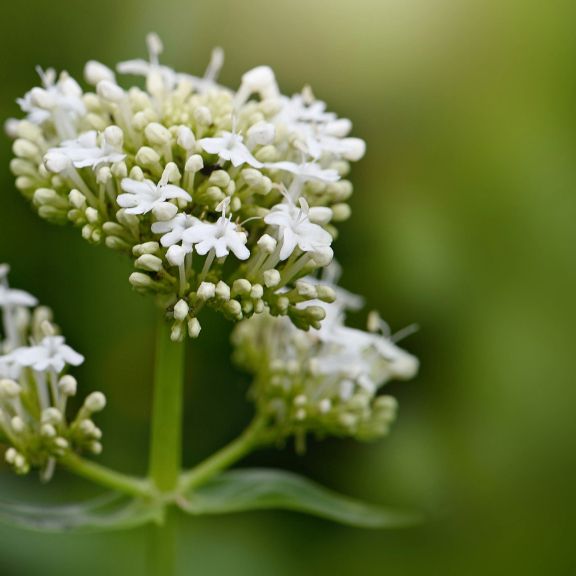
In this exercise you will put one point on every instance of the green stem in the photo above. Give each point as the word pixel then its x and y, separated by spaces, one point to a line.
pixel 106 477
pixel 166 445
pixel 224 458
pixel 162 559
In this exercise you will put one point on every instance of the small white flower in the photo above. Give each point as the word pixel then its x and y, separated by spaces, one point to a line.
pixel 173 231
pixel 64 95
pixel 229 147
pixel 51 354
pixel 295 228
pixel 143 197
pixel 221 236
pixel 87 151
pixel 10 297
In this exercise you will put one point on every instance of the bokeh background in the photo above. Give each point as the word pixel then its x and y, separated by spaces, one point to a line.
pixel 463 221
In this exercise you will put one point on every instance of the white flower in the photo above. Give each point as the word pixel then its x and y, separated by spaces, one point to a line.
pixel 229 147
pixel 143 197
pixel 51 354
pixel 42 104
pixel 295 229
pixel 87 151
pixel 222 236
pixel 10 297
pixel 173 231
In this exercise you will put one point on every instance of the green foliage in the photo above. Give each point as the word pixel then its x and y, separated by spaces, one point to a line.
pixel 262 489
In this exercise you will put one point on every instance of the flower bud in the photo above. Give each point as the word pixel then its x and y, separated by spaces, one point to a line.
pixel 95 72
pixel 206 290
pixel 194 328
pixel 149 262
pixel 165 211
pixel 181 310
pixel 157 134
pixel 95 402
pixel 271 278
pixel 267 243
pixel 194 164
pixel 68 385
pixel 110 91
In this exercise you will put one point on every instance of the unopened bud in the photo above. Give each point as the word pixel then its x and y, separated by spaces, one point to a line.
pixel 95 402
pixel 149 262
pixel 68 385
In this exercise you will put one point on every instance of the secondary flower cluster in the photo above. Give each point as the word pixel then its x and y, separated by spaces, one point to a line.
pixel 324 381
pixel 223 198
pixel 34 387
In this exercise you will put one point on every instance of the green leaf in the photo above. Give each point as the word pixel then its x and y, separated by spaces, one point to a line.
pixel 108 512
pixel 258 489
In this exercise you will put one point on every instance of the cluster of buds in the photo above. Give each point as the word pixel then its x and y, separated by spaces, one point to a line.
pixel 222 198
pixel 35 388
pixel 325 381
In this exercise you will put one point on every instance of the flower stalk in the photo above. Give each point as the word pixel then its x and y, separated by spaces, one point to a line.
pixel 166 441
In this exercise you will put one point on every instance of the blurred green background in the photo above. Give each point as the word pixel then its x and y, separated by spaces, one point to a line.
pixel 463 221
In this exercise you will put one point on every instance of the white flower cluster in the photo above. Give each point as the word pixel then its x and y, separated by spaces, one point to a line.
pixel 221 197
pixel 34 387
pixel 324 381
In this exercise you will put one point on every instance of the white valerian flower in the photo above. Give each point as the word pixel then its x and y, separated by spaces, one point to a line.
pixel 165 155
pixel 326 382
pixel 51 354
pixel 230 147
pixel 34 396
pixel 172 237
pixel 295 229
pixel 173 230
pixel 221 236
pixel 143 197
pixel 60 101
pixel 87 150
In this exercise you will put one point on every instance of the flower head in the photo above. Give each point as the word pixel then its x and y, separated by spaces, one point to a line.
pixel 34 393
pixel 147 170
pixel 326 381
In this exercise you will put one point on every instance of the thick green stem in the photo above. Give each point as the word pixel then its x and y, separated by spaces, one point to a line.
pixel 162 551
pixel 166 445
pixel 224 458
pixel 106 477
